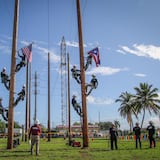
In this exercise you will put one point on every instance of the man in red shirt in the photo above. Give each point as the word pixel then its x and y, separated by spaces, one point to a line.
pixel 34 134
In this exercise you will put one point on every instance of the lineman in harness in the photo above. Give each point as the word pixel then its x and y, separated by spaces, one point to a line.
pixel 93 85
pixel 21 95
pixel 88 62
pixel 76 106
pixel 76 74
pixel 22 63
pixel 5 78
pixel 3 111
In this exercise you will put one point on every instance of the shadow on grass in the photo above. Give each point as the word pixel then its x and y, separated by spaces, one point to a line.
pixel 119 149
pixel 15 154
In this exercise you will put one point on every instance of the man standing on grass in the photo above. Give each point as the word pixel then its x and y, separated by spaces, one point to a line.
pixel 34 133
pixel 113 136
pixel 151 134
pixel 137 132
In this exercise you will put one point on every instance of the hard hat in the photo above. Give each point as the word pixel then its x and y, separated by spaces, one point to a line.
pixel 93 75
pixel 37 121
pixel 4 68
pixel 24 86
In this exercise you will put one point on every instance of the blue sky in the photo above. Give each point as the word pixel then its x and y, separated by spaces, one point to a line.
pixel 126 32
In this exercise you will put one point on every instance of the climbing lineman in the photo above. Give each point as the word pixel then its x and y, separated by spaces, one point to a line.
pixel 3 111
pixel 22 62
pixel 88 62
pixel 5 78
pixel 21 95
pixel 76 106
pixel 95 54
pixel 76 74
pixel 93 85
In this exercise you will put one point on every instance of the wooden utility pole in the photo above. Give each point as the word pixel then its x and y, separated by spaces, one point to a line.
pixel 49 128
pixel 12 78
pixel 27 108
pixel 69 108
pixel 84 107
pixel 35 92
pixel 30 77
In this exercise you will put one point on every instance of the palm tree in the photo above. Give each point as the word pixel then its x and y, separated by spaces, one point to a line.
pixel 117 124
pixel 126 108
pixel 146 99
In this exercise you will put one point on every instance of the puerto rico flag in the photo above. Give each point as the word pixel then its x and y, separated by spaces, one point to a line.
pixel 96 55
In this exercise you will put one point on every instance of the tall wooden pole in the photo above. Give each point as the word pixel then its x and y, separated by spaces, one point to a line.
pixel 84 107
pixel 35 92
pixel 27 108
pixel 30 77
pixel 12 78
pixel 69 108
pixel 49 129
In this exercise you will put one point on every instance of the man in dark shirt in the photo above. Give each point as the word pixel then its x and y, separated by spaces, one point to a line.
pixel 76 106
pixel 5 78
pixel 137 132
pixel 22 62
pixel 93 84
pixel 88 62
pixel 76 74
pixel 21 95
pixel 113 136
pixel 3 110
pixel 151 134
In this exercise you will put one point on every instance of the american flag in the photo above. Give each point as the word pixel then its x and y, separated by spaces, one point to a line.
pixel 27 51
pixel 96 55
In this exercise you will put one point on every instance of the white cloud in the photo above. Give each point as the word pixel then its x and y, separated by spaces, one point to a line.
pixel 149 51
pixel 105 70
pixel 99 101
pixel 140 75
pixel 4 47
pixel 121 51
pixel 155 120
pixel 72 44
pixel 44 53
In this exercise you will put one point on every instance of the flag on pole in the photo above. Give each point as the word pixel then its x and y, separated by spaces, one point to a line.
pixel 27 51
pixel 96 55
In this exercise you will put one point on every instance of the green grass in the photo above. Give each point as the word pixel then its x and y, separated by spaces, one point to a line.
pixel 98 149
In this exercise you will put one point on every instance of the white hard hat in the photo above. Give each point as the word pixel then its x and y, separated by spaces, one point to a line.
pixel 4 68
pixel 37 121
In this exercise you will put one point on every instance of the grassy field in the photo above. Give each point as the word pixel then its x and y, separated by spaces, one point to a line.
pixel 98 149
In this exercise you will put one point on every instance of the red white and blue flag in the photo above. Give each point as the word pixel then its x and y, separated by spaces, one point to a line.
pixel 27 51
pixel 96 55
